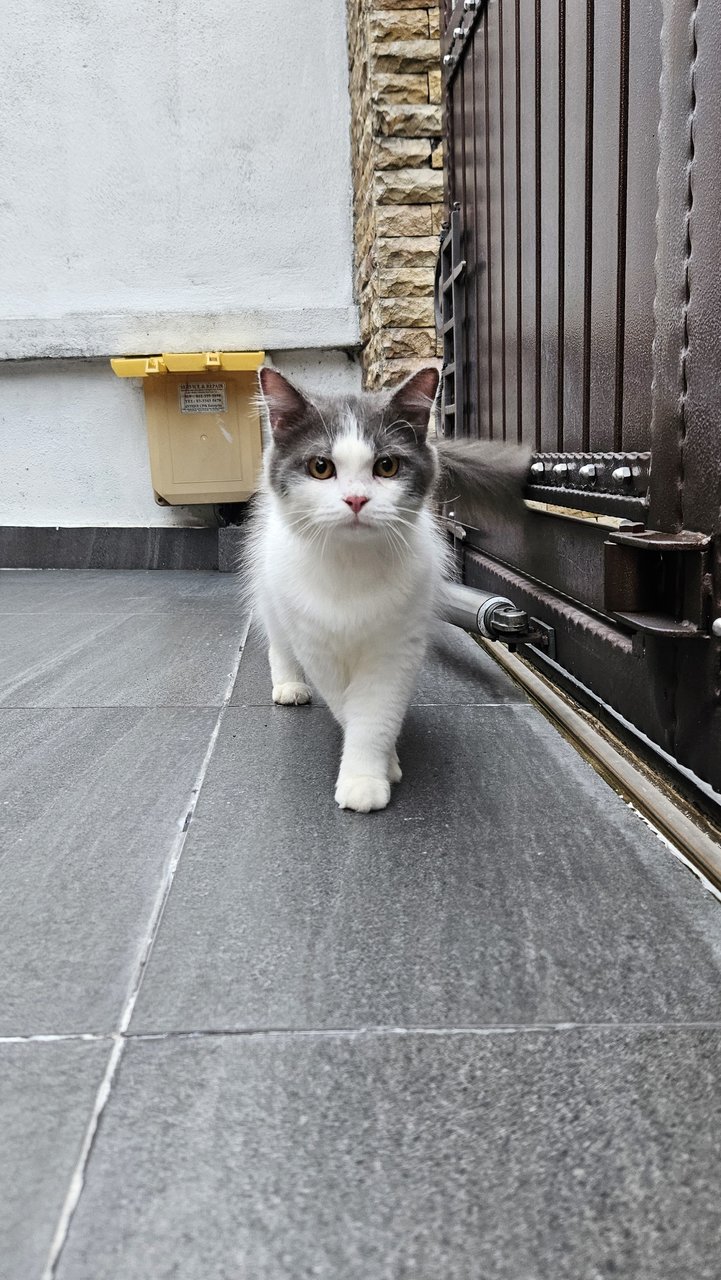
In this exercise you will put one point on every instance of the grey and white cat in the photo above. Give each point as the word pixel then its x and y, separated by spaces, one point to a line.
pixel 347 563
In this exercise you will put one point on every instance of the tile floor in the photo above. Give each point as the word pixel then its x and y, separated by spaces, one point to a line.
pixel 242 1034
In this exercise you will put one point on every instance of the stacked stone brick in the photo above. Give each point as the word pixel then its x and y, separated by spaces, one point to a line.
pixel 397 150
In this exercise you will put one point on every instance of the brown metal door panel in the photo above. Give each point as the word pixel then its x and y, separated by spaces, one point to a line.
pixel 589 175
pixel 698 695
pixel 526 24
pixel 574 227
pixel 508 108
pixel 550 224
pixel 495 262
pixel 633 418
pixel 568 558
pixel 604 246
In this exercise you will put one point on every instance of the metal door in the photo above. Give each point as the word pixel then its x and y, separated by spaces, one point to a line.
pixel 582 315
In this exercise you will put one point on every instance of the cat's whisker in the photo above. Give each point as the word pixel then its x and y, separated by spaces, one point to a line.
pixel 400 424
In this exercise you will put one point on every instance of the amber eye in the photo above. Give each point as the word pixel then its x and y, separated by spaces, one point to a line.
pixel 321 468
pixel 386 467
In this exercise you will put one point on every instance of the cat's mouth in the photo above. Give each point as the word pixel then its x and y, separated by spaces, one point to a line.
pixel 357 523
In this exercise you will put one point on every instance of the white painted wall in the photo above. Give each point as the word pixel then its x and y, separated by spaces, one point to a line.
pixel 73 444
pixel 173 176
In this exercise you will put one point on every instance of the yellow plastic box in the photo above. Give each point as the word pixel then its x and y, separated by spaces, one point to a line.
pixel 204 433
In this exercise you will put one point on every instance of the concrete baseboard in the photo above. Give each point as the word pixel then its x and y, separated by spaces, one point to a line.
pixel 113 548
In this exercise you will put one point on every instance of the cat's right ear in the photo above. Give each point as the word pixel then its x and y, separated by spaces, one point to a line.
pixel 285 404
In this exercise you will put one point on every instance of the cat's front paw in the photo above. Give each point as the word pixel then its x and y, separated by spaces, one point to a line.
pixel 395 773
pixel 362 793
pixel 291 694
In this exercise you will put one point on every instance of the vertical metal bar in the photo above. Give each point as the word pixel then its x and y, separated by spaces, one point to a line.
pixel 478 257
pixel 462 353
pixel 538 218
pixel 519 227
pixel 622 217
pixel 458 322
pixel 503 216
pixel 488 233
pixel 588 231
pixel 561 212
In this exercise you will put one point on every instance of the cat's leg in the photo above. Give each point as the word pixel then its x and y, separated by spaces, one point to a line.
pixel 375 703
pixel 287 676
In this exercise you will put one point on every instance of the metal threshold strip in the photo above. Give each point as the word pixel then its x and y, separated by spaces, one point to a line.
pixel 696 845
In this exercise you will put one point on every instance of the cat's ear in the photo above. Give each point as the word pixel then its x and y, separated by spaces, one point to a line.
pixel 413 400
pixel 285 404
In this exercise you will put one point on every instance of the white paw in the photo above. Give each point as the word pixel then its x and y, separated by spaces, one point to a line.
pixel 395 773
pixel 362 793
pixel 291 694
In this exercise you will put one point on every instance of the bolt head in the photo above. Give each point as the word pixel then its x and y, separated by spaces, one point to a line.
pixel 716 627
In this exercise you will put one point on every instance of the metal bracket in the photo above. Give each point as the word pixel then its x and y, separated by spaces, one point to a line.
pixel 658 583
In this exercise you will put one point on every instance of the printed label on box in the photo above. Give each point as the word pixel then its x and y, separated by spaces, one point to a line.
pixel 203 397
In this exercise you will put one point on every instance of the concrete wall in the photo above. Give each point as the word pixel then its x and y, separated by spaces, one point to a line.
pixel 175 176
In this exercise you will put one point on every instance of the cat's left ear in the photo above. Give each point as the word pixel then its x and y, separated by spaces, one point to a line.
pixel 413 400
pixel 285 404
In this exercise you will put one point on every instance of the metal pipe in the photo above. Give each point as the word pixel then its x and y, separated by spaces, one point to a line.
pixel 473 610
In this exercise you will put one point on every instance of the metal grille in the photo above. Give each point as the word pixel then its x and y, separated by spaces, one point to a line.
pixel 553 166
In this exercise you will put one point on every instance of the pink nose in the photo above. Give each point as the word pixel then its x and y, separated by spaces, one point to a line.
pixel 355 504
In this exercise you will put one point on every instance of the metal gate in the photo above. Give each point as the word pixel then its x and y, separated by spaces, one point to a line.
pixel 581 313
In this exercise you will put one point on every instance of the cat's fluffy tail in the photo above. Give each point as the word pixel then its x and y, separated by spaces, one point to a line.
pixel 482 478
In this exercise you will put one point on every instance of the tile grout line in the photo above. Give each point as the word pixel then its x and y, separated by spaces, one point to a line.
pixel 77 1180
pixel 492 1029
pixel 379 1030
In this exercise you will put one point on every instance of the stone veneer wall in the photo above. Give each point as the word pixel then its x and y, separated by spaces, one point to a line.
pixel 397 156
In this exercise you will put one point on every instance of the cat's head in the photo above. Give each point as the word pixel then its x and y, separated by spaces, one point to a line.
pixel 357 465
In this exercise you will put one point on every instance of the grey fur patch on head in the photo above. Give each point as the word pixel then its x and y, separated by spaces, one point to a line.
pixel 480 477
pixel 392 422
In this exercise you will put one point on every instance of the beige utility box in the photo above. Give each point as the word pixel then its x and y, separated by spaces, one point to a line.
pixel 204 433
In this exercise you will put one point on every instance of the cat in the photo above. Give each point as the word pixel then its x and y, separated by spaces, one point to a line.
pixel 347 560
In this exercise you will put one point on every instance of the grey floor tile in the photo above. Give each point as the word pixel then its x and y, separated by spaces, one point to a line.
pixel 252 683
pixel 117 591
pixel 572 1155
pixel 456 670
pixel 506 883
pixel 90 807
pixel 110 660
pixel 47 1093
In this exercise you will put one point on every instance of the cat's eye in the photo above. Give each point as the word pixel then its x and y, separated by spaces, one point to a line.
pixel 386 467
pixel 321 468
